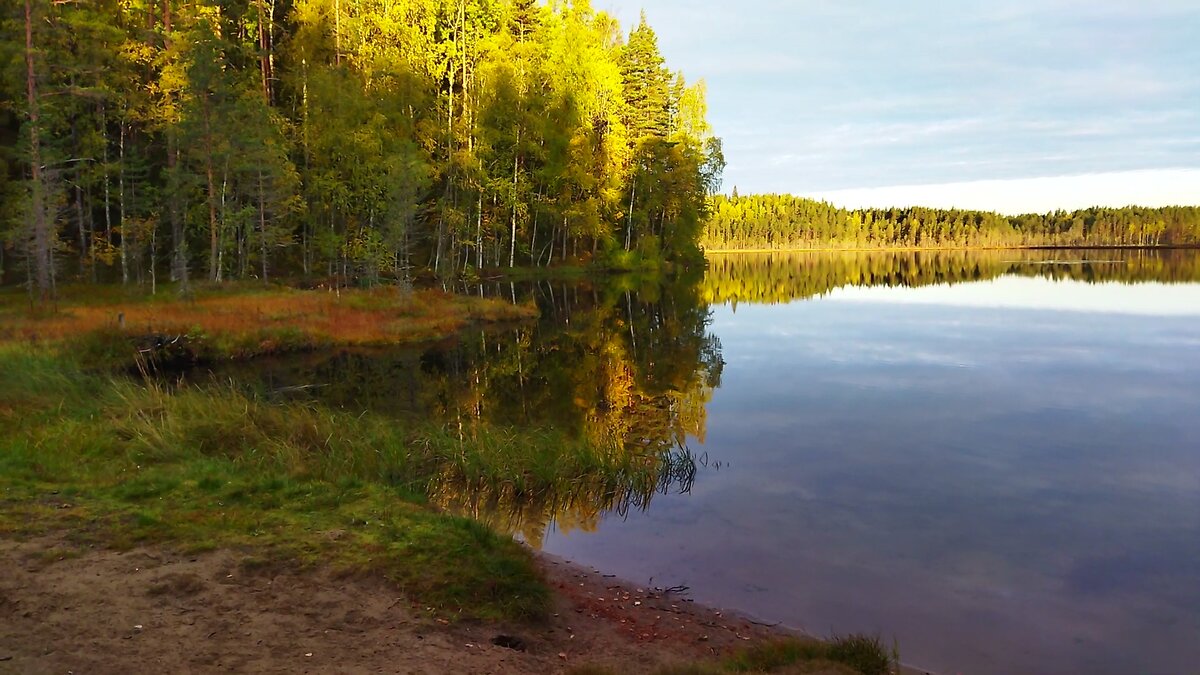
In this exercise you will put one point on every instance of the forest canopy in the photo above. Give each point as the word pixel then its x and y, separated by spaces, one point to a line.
pixel 357 139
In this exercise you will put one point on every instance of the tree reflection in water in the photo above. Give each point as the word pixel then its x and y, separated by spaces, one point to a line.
pixel 623 367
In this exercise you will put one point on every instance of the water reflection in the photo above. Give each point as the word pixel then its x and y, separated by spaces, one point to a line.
pixel 1003 486
pixel 627 365
pixel 787 276
pixel 576 505
pixel 990 455
pixel 1014 292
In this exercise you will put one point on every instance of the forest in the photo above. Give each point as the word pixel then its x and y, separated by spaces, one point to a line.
pixel 350 140
pixel 787 222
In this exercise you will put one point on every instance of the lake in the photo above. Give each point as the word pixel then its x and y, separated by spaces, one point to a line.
pixel 992 458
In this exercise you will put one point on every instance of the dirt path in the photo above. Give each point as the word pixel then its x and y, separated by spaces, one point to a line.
pixel 152 610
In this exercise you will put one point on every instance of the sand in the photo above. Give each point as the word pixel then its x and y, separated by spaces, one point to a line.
pixel 71 610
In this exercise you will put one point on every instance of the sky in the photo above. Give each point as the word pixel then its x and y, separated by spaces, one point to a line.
pixel 1007 105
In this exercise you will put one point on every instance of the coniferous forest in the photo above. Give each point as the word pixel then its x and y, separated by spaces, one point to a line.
pixel 350 139
pixel 360 140
pixel 787 222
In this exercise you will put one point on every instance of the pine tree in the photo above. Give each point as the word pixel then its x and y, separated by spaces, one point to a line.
pixel 646 85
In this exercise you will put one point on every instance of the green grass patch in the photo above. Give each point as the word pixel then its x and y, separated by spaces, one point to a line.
pixel 860 653
pixel 851 654
pixel 120 463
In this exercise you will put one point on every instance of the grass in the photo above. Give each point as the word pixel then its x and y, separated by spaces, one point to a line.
pixel 860 653
pixel 247 322
pixel 119 463
pixel 852 654
pixel 113 462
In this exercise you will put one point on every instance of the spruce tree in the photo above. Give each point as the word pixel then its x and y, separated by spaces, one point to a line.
pixel 646 84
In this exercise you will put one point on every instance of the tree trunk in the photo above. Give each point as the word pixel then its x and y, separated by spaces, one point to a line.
pixel 81 224
pixel 225 219
pixel 41 229
pixel 153 260
pixel 308 229
pixel 270 49
pixel 512 246
pixel 214 266
pixel 337 32
pixel 179 262
pixel 264 64
pixel 629 223
pixel 262 226
pixel 533 239
pixel 107 181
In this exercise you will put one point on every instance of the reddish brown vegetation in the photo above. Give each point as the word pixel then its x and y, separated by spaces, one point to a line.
pixel 277 316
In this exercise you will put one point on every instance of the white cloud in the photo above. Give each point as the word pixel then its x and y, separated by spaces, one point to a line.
pixel 1159 187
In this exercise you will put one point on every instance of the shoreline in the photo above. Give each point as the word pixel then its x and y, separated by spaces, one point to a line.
pixel 740 625
pixel 153 608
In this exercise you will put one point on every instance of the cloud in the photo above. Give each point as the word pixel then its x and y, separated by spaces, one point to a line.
pixel 825 95
pixel 1163 187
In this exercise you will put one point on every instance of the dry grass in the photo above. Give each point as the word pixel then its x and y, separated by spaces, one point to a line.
pixel 307 318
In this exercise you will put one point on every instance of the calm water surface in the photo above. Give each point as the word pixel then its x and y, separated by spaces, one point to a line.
pixel 1001 489
pixel 992 458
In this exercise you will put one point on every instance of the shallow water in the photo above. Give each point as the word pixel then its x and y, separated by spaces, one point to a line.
pixel 992 458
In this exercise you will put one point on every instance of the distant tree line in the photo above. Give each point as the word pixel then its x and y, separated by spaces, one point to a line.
pixel 784 221
pixel 354 139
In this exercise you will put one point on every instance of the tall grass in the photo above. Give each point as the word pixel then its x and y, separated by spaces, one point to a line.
pixel 212 466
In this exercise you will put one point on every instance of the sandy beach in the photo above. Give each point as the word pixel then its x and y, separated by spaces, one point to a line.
pixel 64 609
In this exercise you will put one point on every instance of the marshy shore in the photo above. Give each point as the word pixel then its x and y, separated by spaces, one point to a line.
pixel 158 527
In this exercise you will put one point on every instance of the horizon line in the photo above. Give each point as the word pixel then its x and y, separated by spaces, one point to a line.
pixel 1153 188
